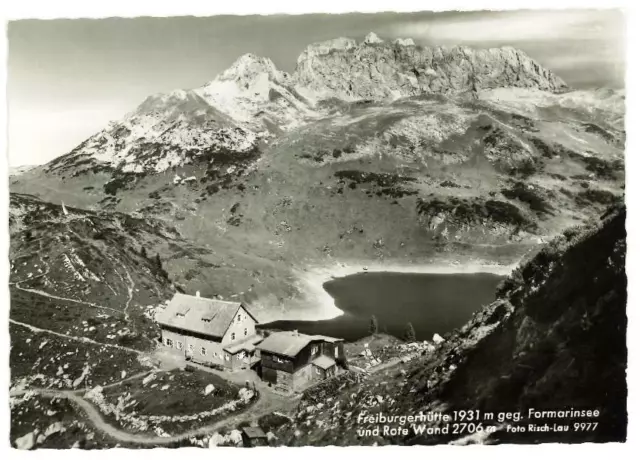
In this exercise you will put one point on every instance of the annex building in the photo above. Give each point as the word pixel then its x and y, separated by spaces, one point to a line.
pixel 291 361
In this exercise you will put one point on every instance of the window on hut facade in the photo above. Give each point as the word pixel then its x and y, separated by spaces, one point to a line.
pixel 191 347
pixel 245 331
pixel 233 336
pixel 203 351
pixel 168 342
pixel 314 349
pixel 335 351
pixel 239 317
pixel 179 345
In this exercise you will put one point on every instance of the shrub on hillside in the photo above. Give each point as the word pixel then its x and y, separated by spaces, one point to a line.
pixel 523 193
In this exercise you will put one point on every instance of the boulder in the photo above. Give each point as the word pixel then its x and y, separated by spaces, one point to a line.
pixel 372 38
pixel 26 442
pixel 148 379
pixel 215 440
pixel 235 436
pixel 56 427
pixel 245 394
pixel 437 338
pixel 208 390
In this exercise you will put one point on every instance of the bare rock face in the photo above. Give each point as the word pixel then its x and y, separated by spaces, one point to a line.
pixel 378 70
pixel 253 89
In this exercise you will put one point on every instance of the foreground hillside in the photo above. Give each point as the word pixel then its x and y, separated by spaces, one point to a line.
pixel 538 346
pixel 555 339
pixel 84 283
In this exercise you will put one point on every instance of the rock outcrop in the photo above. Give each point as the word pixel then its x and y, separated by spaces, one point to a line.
pixel 375 69
pixel 254 92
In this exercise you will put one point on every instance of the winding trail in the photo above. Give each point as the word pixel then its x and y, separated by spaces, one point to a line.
pixel 262 407
pixel 130 289
pixel 267 403
pixel 52 296
pixel 73 337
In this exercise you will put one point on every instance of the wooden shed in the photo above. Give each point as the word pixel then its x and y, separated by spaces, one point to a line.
pixel 253 436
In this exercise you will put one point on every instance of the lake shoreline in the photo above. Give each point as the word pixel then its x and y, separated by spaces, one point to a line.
pixel 435 300
pixel 311 280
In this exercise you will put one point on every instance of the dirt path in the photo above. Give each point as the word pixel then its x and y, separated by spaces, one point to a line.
pixel 268 402
pixel 260 408
pixel 73 337
pixel 52 296
pixel 131 286
pixel 385 365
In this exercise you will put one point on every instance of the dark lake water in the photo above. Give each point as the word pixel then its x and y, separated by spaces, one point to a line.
pixel 431 302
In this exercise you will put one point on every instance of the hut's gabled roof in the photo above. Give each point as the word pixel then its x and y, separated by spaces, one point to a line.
pixel 290 343
pixel 210 317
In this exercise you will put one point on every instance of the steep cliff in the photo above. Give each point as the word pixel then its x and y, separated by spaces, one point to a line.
pixel 557 341
pixel 374 69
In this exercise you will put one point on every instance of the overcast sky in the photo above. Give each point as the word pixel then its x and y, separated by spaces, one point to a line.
pixel 68 78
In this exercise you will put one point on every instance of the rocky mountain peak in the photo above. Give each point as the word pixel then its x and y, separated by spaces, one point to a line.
pixel 372 39
pixel 404 42
pixel 253 96
pixel 250 67
pixel 343 69
pixel 180 100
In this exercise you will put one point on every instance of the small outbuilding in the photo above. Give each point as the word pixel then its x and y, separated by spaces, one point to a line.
pixel 291 361
pixel 253 436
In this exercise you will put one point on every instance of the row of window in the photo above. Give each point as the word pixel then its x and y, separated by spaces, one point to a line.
pixel 203 351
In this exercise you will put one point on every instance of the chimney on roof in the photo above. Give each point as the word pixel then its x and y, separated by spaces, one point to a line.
pixel 197 293
pixel 295 332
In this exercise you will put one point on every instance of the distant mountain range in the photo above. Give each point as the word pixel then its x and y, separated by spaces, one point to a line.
pixel 17 170
pixel 253 99
pixel 369 151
